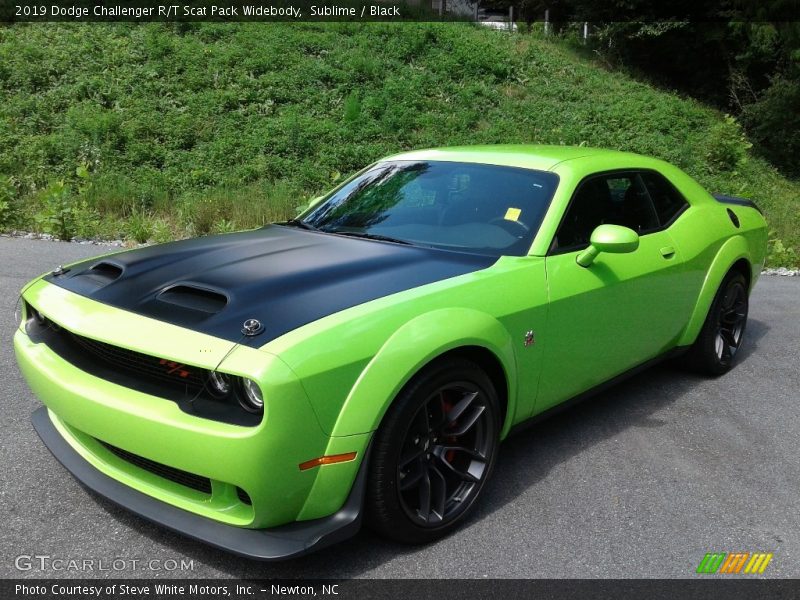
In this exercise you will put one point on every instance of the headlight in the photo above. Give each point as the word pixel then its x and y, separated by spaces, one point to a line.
pixel 37 316
pixel 219 384
pixel 251 400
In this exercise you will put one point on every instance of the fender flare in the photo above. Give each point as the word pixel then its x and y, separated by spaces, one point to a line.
pixel 731 251
pixel 409 349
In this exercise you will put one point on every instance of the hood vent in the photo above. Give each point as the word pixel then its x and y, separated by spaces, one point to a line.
pixel 104 272
pixel 96 277
pixel 194 298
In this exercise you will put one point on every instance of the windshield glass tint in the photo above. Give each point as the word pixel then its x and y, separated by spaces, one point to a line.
pixel 460 206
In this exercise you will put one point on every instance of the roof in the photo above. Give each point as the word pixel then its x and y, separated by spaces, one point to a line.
pixel 525 156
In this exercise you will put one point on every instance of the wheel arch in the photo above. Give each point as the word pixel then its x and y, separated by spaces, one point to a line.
pixel 422 341
pixel 734 255
pixel 491 365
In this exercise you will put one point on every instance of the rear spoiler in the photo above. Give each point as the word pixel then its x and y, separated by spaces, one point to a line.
pixel 736 200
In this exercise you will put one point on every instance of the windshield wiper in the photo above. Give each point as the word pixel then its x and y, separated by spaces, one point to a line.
pixel 301 224
pixel 371 236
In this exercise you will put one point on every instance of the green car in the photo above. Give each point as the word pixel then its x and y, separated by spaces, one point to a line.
pixel 267 391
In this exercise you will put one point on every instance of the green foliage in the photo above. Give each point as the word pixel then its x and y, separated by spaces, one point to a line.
pixel 726 145
pixel 162 231
pixel 779 255
pixel 352 108
pixel 188 129
pixel 224 226
pixel 7 194
pixel 66 215
pixel 86 219
pixel 56 216
pixel 774 123
pixel 139 226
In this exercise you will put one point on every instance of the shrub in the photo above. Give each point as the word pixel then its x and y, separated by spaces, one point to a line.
pixel 56 216
pixel 162 231
pixel 774 124
pixel 139 226
pixel 7 194
pixel 779 255
pixel 726 145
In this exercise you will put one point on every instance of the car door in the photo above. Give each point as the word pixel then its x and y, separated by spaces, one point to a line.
pixel 617 313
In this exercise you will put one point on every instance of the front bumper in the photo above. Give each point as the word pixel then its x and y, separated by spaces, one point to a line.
pixel 249 475
pixel 277 543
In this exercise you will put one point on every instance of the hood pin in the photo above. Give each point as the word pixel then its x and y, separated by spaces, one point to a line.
pixel 252 327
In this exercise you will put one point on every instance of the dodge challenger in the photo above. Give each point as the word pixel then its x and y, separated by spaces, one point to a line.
pixel 267 391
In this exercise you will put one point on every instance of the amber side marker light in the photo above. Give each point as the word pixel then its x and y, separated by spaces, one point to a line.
pixel 327 460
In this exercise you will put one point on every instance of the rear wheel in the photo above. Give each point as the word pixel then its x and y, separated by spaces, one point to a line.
pixel 433 453
pixel 723 331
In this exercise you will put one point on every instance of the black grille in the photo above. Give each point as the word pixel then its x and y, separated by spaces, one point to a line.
pixel 244 497
pixel 151 367
pixel 153 375
pixel 190 480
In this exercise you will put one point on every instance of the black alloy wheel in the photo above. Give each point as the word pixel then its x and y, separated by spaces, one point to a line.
pixel 433 453
pixel 445 454
pixel 731 322
pixel 723 331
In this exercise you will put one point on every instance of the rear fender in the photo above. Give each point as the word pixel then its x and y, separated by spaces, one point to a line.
pixel 731 251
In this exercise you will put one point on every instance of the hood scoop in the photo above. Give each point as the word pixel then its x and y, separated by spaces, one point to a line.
pixel 97 276
pixel 201 300
pixel 104 271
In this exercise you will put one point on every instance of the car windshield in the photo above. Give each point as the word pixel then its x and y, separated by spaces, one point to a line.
pixel 468 207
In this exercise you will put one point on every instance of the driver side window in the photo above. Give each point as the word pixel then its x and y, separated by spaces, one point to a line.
pixel 616 199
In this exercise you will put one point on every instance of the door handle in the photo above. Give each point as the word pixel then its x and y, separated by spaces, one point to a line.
pixel 668 251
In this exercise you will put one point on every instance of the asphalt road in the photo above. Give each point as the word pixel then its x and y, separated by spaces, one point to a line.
pixel 640 481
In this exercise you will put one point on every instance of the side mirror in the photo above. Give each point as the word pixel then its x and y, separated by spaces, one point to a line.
pixel 615 239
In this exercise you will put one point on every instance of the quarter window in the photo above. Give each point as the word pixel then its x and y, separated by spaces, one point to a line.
pixel 667 200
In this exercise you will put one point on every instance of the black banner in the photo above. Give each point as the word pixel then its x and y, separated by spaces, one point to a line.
pixel 143 11
pixel 605 11
pixel 504 589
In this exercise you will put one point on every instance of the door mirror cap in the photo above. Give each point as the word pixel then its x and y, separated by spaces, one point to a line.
pixel 614 239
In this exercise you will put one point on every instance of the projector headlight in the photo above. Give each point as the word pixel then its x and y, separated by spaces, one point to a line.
pixel 219 384
pixel 36 315
pixel 251 400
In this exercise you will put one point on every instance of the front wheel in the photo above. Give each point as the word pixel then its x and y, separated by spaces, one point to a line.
pixel 433 453
pixel 723 331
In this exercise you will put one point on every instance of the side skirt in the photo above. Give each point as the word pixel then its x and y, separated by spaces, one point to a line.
pixel 567 404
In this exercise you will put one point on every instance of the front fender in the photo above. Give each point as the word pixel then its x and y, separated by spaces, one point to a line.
pixel 731 251
pixel 410 348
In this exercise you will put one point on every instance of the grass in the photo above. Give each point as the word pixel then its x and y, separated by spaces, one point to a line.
pixel 191 128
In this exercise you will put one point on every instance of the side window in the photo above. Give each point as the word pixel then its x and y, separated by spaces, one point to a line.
pixel 616 199
pixel 667 200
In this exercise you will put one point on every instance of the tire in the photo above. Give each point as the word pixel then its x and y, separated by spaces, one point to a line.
pixel 722 334
pixel 438 442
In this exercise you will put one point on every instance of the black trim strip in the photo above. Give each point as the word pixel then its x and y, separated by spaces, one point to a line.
pixel 723 199
pixel 278 543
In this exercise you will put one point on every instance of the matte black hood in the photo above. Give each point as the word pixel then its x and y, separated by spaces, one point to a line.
pixel 285 277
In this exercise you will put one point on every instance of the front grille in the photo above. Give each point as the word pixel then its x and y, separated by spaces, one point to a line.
pixel 190 480
pixel 145 365
pixel 183 384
